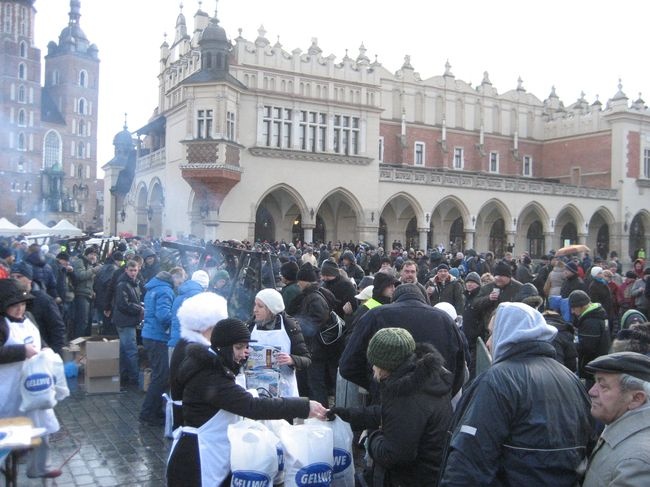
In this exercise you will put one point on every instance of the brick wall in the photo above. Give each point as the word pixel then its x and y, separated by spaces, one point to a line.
pixel 633 155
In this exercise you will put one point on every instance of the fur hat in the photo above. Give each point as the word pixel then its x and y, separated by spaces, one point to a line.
pixel 202 278
pixel 271 299
pixel 381 281
pixel 502 269
pixel 289 270
pixel 390 347
pixel 11 292
pixel 329 268
pixel 202 311
pixel 229 331
pixel 307 273
pixel 578 299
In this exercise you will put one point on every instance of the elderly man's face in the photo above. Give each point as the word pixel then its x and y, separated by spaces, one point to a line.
pixel 608 401
pixel 502 281
pixel 408 274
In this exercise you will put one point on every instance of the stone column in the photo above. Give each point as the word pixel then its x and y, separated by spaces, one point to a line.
pixel 308 231
pixel 548 241
pixel 469 239
pixel 424 233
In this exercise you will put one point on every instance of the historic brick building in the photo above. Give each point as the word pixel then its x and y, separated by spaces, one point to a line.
pixel 250 140
pixel 48 144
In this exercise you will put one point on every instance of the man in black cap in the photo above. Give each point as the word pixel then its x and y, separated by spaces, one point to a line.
pixel 572 280
pixel 593 332
pixel 619 398
pixel 43 308
pixel 288 273
pixel 504 289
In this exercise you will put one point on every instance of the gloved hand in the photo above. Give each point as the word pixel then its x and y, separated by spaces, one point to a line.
pixel 342 413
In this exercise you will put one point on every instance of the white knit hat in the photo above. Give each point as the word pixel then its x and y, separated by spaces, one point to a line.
pixel 202 278
pixel 272 300
pixel 202 311
pixel 595 270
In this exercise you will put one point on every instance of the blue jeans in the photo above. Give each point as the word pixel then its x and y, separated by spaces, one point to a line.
pixel 128 354
pixel 152 407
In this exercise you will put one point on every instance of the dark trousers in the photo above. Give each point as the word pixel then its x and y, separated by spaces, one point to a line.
pixel 81 316
pixel 152 407
pixel 322 373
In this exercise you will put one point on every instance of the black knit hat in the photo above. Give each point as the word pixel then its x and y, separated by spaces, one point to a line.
pixel 23 268
pixel 90 250
pixel 474 277
pixel 578 299
pixel 63 256
pixel 630 275
pixel 502 269
pixel 11 292
pixel 307 273
pixel 390 347
pixel 229 331
pixel 329 268
pixel 571 266
pixel 117 256
pixel 442 267
pixel 4 252
pixel 289 270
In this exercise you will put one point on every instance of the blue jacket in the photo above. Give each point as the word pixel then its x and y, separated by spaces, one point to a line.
pixel 158 307
pixel 186 290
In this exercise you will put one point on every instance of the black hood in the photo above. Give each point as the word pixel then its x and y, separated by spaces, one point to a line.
pixel 408 291
pixel 423 372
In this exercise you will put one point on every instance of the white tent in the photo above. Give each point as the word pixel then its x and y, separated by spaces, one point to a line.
pixel 64 227
pixel 8 228
pixel 35 226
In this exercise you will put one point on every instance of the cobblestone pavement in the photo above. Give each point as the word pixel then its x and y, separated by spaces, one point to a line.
pixel 102 443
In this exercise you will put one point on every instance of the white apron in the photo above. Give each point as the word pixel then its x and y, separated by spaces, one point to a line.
pixel 279 339
pixel 214 447
pixel 10 398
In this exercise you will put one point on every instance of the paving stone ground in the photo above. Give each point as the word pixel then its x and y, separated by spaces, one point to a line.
pixel 102 443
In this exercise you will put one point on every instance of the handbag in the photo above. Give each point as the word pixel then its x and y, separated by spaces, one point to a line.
pixel 333 331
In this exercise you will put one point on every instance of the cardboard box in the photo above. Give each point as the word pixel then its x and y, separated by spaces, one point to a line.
pixel 102 385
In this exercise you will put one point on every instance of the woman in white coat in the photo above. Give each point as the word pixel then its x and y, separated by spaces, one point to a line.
pixel 19 341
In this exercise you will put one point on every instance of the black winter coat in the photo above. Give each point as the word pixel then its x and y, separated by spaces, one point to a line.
pixel 9 353
pixel 564 342
pixel 48 319
pixel 593 337
pixel 571 284
pixel 524 422
pixel 599 293
pixel 410 422
pixel 483 304
pixel 425 323
pixel 473 325
pixel 207 387
pixel 449 291
pixel 344 292
pixel 127 310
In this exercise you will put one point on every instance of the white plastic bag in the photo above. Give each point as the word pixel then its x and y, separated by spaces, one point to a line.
pixel 308 455
pixel 343 467
pixel 169 414
pixel 37 384
pixel 276 426
pixel 61 389
pixel 253 454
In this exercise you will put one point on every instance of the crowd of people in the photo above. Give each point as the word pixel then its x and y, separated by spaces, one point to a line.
pixel 565 400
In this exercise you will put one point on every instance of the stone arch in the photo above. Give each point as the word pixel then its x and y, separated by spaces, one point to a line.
pixel 155 207
pixel 494 224
pixel 531 227
pixel 277 212
pixel 341 214
pixel 569 224
pixel 444 218
pixel 599 231
pixel 638 236
pixel 397 215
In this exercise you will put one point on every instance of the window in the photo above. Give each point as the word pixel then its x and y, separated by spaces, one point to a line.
pixel 7 18
pixel 81 150
pixel 21 94
pixel 21 142
pixel 418 154
pixel 87 173
pixel 494 162
pixel 313 131
pixel 23 49
pixel 346 134
pixel 459 158
pixel 527 169
pixel 21 165
pixel 646 164
pixel 22 120
pixel 380 154
pixel 204 124
pixel 230 125
pixel 80 171
pixel 276 127
pixel 83 78
pixel 22 71
pixel 55 78
pixel 14 186
pixel 81 108
pixel 81 128
pixel 23 21
pixel 52 150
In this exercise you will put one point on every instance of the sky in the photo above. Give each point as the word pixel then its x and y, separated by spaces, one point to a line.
pixel 574 45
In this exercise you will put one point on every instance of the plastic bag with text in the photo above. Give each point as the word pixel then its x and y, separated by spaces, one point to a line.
pixel 308 457
pixel 253 454
pixel 61 389
pixel 343 467
pixel 37 384
pixel 276 426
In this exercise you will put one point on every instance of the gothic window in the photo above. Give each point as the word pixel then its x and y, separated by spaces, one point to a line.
pixel 23 22
pixel 80 171
pixel 23 49
pixel 52 150
pixel 7 18
pixel 81 128
pixel 204 122
pixel 82 106
pixel 21 142
pixel 83 78
pixel 22 71
pixel 81 150
pixel 21 94
pixel 22 120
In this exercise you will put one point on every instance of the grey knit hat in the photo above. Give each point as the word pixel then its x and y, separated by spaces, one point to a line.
pixel 578 299
pixel 329 268
pixel 390 347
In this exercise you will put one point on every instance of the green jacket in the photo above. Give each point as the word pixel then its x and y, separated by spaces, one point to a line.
pixel 83 277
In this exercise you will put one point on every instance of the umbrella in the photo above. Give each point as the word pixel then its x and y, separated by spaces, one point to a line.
pixel 572 249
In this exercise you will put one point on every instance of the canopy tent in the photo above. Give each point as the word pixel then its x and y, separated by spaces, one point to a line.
pixel 34 226
pixel 64 227
pixel 8 228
